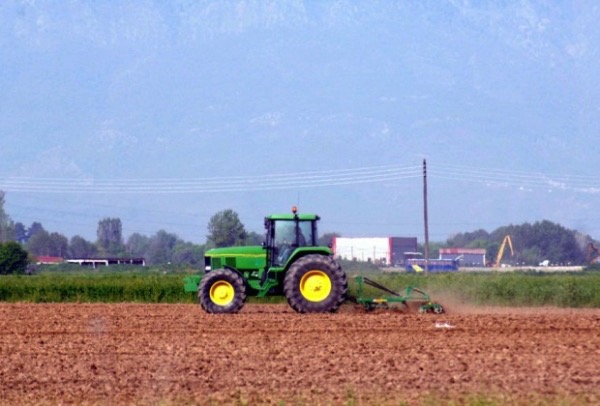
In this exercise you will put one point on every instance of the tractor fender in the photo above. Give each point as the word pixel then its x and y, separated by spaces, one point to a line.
pixel 239 273
pixel 303 251
pixel 192 282
pixel 236 271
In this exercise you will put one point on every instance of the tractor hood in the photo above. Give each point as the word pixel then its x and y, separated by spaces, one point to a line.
pixel 240 258
pixel 236 251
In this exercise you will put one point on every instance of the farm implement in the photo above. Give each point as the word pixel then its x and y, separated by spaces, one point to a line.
pixel 411 295
pixel 289 263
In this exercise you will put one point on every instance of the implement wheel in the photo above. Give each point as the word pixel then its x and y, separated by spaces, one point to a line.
pixel 222 291
pixel 315 284
pixel 431 308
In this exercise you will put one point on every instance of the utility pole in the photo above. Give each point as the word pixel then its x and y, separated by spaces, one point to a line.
pixel 425 216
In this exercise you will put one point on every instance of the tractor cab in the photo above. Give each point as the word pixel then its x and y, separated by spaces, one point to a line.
pixel 287 232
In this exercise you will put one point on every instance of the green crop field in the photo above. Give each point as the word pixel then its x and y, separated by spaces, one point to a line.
pixel 153 285
pixel 581 289
pixel 107 287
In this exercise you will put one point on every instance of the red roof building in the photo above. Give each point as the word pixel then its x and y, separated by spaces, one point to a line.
pixel 48 260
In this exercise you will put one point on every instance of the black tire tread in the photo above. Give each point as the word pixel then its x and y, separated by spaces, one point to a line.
pixel 218 275
pixel 339 284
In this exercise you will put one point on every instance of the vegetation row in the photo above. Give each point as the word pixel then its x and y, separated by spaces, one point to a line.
pixel 580 289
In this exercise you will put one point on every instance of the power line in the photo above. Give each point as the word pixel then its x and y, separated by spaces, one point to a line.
pixel 39 188
pixel 297 180
pixel 501 177
pixel 211 185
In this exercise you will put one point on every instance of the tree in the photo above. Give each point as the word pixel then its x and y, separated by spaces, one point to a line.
pixel 33 229
pixel 59 245
pixel 13 258
pixel 467 240
pixel 225 229
pixel 20 233
pixel 188 253
pixel 253 238
pixel 542 240
pixel 137 245
pixel 6 224
pixel 40 243
pixel 533 243
pixel 530 256
pixel 160 249
pixel 110 239
pixel 79 247
pixel 52 244
pixel 327 239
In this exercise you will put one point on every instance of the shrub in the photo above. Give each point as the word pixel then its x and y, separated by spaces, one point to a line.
pixel 13 258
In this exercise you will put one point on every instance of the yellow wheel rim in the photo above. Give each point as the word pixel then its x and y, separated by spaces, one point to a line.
pixel 222 293
pixel 315 286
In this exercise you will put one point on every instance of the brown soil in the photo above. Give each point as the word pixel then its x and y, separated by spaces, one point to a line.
pixel 176 354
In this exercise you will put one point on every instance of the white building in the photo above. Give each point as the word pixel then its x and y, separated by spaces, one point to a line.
pixel 380 250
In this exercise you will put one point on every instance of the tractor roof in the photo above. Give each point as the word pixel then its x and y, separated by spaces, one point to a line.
pixel 291 216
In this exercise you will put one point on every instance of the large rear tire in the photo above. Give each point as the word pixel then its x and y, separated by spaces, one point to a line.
pixel 315 284
pixel 222 291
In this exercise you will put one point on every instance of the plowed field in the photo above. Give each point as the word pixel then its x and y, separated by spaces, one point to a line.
pixel 176 354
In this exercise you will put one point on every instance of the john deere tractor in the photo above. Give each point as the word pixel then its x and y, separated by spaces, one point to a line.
pixel 290 262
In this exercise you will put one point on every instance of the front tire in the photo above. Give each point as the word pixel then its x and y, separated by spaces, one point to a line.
pixel 222 291
pixel 315 284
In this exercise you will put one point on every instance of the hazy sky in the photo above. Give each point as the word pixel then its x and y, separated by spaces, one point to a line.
pixel 163 113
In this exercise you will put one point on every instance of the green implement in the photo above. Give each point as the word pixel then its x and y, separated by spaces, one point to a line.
pixel 411 295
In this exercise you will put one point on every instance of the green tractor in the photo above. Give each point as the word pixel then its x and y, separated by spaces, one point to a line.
pixel 290 262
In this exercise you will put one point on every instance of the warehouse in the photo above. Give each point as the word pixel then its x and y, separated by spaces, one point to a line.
pixel 380 250
pixel 465 256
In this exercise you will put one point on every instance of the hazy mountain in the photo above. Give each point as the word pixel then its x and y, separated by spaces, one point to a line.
pixel 104 90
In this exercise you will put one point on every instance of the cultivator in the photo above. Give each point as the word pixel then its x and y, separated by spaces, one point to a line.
pixel 411 295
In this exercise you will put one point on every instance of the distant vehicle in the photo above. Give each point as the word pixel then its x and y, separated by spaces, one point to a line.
pixel 593 254
pixel 433 265
pixel 545 262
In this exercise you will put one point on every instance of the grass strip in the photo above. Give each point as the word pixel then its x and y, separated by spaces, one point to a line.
pixel 581 289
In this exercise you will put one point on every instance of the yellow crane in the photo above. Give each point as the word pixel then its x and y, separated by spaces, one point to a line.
pixel 506 240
